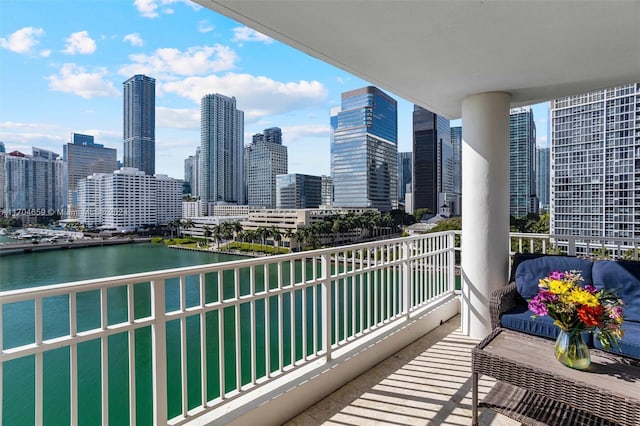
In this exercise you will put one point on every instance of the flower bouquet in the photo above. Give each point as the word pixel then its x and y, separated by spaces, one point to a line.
pixel 577 309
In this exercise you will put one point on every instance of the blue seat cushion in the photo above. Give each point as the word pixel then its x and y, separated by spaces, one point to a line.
pixel 630 343
pixel 519 319
pixel 530 272
pixel 623 277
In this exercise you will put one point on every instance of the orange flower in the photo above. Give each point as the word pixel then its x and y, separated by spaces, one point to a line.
pixel 590 315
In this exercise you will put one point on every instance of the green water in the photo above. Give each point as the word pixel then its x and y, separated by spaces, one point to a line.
pixel 38 269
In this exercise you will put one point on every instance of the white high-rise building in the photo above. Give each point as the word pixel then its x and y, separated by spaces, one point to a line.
pixel 128 199
pixel 33 184
pixel 222 151
pixel 595 164
pixel 266 158
pixel 168 199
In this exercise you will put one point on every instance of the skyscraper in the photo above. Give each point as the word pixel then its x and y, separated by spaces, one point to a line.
pixel 140 123
pixel 298 191
pixel 456 142
pixel 34 182
pixel 433 162
pixel 595 163
pixel 522 159
pixel 542 176
pixel 405 167
pixel 222 151
pixel 364 150
pixel 83 157
pixel 266 158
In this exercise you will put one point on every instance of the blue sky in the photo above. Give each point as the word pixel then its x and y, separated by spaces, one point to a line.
pixel 63 64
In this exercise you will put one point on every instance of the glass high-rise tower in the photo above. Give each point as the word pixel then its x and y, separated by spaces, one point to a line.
pixel 595 163
pixel 364 150
pixel 405 166
pixel 221 151
pixel 266 158
pixel 140 123
pixel 543 176
pixel 522 161
pixel 433 162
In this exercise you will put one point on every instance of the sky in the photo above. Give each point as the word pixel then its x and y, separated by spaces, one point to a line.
pixel 63 63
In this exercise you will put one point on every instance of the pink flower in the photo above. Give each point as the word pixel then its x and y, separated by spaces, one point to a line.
pixel 556 275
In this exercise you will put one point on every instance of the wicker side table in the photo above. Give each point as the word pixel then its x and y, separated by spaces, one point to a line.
pixel 535 388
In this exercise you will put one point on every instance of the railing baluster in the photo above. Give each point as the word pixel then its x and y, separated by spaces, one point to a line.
pixel 183 346
pixel 159 351
pixel 39 378
pixel 104 356
pixel 203 341
pixel 325 283
pixel 132 356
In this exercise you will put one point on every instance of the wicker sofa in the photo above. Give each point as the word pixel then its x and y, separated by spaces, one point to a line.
pixel 508 305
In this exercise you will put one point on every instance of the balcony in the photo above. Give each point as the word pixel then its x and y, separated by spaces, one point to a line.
pixel 255 341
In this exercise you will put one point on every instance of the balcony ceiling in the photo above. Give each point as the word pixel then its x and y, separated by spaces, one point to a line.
pixel 434 53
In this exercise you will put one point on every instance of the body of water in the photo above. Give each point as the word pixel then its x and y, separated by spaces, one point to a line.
pixel 61 266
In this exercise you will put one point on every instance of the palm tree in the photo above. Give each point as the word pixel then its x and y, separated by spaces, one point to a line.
pixel 207 233
pixel 237 227
pixel 217 234
pixel 276 235
pixel 187 224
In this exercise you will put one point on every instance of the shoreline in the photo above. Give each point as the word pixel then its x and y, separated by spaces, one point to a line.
pixel 25 248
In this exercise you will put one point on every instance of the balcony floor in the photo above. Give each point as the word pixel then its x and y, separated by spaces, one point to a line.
pixel 426 383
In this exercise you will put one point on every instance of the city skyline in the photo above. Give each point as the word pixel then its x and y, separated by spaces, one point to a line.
pixel 190 52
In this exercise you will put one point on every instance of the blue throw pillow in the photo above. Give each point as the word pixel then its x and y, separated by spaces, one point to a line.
pixel 623 277
pixel 530 272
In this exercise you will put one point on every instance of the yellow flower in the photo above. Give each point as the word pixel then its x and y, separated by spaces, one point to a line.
pixel 559 287
pixel 581 296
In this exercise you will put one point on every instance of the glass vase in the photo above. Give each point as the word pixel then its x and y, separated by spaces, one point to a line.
pixel 572 351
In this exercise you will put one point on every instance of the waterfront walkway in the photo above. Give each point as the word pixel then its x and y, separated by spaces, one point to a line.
pixel 20 248
pixel 426 383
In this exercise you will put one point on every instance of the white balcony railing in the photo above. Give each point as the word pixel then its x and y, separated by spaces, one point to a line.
pixel 168 346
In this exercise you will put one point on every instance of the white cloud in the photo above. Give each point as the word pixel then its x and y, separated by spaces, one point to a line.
pixel 81 43
pixel 75 79
pixel 149 8
pixel 45 53
pixel 167 62
pixel 178 118
pixel 242 34
pixel 204 26
pixel 298 133
pixel 134 39
pixel 23 40
pixel 257 96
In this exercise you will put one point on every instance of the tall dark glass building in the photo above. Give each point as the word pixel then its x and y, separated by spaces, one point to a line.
pixel 433 162
pixel 522 162
pixel 140 123
pixel 364 150
pixel 405 166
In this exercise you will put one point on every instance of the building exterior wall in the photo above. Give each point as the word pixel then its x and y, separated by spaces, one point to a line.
pixel 595 163
pixel 326 191
pixel 34 184
pixel 298 191
pixel 522 159
pixel 456 143
pixel 543 176
pixel 433 159
pixel 83 158
pixel 139 132
pixel 364 150
pixel 267 158
pixel 168 199
pixel 405 170
pixel 221 150
pixel 128 199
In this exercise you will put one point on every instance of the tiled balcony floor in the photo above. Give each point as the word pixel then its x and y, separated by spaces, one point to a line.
pixel 426 383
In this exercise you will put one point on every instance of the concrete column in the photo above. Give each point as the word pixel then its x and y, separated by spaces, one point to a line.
pixel 485 206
